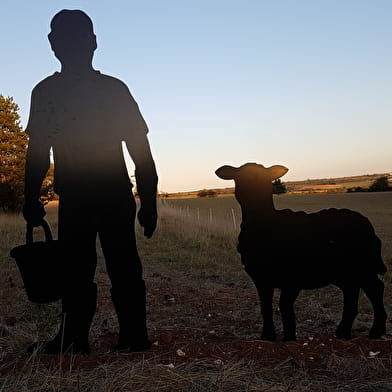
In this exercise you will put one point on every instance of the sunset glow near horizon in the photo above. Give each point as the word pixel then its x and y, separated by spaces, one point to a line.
pixel 304 84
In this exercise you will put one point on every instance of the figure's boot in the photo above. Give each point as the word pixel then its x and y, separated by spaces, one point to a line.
pixel 72 337
pixel 130 306
pixel 83 318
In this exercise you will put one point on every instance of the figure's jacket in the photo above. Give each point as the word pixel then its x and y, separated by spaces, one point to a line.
pixel 85 120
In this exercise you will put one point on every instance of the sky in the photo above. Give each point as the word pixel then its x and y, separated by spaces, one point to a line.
pixel 302 83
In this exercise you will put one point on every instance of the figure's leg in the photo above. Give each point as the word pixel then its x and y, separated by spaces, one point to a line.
pixel 78 237
pixel 374 289
pixel 117 235
pixel 77 315
pixel 350 311
pixel 130 306
pixel 286 306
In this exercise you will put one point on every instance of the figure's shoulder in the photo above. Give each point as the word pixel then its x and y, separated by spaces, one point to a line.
pixel 114 82
pixel 110 79
pixel 49 80
pixel 48 83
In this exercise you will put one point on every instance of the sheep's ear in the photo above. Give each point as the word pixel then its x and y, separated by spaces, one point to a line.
pixel 277 171
pixel 226 172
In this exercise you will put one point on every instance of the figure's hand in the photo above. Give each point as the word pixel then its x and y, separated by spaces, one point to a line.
pixel 33 212
pixel 148 219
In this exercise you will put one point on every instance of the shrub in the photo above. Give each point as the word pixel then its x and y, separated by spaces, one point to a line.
pixel 381 184
pixel 207 193
pixel 357 189
pixel 278 187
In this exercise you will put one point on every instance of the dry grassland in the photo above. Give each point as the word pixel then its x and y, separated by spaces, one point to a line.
pixel 200 302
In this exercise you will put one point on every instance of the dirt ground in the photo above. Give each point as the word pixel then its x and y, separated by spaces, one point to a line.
pixel 174 347
pixel 211 343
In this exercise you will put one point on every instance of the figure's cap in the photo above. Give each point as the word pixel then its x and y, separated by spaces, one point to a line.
pixel 71 22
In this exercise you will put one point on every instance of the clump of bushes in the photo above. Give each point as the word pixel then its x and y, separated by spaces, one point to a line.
pixel 207 193
pixel 278 187
pixel 357 189
pixel 381 184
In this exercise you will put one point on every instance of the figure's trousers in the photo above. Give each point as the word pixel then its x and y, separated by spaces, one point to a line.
pixel 112 218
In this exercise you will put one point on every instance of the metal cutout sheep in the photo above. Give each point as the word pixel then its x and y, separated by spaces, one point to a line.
pixel 293 251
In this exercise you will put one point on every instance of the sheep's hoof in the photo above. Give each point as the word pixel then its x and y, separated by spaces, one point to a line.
pixel 377 333
pixel 345 335
pixel 270 337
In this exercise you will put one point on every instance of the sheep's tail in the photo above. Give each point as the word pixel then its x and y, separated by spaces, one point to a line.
pixel 370 254
pixel 369 243
pixel 366 241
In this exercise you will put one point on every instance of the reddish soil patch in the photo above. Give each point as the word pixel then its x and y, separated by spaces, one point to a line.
pixel 189 346
pixel 209 350
pixel 318 187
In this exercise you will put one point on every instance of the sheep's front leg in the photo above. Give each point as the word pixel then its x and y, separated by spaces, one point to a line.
pixel 350 311
pixel 374 289
pixel 266 295
pixel 286 306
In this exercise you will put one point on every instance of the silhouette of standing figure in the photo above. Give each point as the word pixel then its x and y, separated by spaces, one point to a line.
pixel 84 116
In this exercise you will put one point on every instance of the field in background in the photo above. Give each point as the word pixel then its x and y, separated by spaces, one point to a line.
pixel 225 213
pixel 202 303
pixel 322 185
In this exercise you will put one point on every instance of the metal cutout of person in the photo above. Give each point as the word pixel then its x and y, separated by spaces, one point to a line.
pixel 84 116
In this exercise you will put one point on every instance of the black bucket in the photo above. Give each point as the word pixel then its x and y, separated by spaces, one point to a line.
pixel 41 265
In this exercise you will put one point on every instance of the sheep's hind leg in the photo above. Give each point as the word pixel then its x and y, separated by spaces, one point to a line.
pixel 374 289
pixel 266 295
pixel 286 306
pixel 350 311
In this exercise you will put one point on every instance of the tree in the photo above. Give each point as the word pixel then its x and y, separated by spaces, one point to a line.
pixel 278 187
pixel 13 148
pixel 47 191
pixel 381 184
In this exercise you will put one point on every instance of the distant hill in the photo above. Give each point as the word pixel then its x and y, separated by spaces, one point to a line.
pixel 340 184
pixel 321 185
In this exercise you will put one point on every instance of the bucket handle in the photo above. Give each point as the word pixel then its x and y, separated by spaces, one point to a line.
pixel 45 226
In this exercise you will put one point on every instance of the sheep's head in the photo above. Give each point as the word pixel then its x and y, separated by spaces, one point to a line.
pixel 252 181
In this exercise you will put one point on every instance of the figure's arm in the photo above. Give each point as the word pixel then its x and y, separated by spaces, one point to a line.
pixel 138 147
pixel 37 164
pixel 146 180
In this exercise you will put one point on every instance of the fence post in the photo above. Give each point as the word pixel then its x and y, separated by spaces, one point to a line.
pixel 234 220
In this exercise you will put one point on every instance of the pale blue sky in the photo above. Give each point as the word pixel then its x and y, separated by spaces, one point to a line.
pixel 306 84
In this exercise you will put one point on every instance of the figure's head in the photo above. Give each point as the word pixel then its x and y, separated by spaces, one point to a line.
pixel 72 37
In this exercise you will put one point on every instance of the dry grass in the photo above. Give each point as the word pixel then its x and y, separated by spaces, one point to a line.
pixel 198 293
pixel 339 374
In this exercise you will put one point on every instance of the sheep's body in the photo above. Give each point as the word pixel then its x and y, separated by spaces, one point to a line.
pixel 331 245
pixel 293 251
